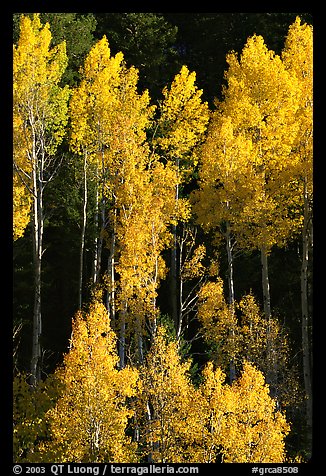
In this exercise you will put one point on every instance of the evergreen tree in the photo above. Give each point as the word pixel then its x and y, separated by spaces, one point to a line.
pixel 148 43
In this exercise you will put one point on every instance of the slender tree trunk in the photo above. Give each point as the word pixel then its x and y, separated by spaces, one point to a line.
pixel 181 288
pixel 99 242
pixel 101 212
pixel 272 373
pixel 230 263
pixel 140 343
pixel 96 241
pixel 111 275
pixel 265 283
pixel 173 271
pixel 122 339
pixel 82 244
pixel 149 420
pixel 305 314
pixel 153 323
pixel 37 262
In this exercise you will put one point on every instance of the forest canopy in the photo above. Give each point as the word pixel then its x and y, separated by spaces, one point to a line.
pixel 162 237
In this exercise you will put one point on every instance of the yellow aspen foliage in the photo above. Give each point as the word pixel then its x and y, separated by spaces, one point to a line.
pixel 40 105
pixel 170 404
pixel 143 234
pixel 180 128
pixel 30 405
pixel 245 334
pixel 93 102
pixel 226 176
pixel 109 119
pixel 183 117
pixel 240 422
pixel 266 343
pixel 256 330
pixel 253 430
pixel 261 98
pixel 297 57
pixel 22 202
pixel 89 421
pixel 22 198
pixel 213 405
pixel 193 265
pixel 219 323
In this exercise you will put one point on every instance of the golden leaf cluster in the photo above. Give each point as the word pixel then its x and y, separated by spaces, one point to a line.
pixel 86 415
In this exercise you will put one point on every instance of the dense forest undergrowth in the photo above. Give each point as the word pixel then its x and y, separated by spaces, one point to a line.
pixel 162 198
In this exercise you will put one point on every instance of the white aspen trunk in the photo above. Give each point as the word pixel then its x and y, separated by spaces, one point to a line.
pixel 230 263
pixel 305 315
pixel 181 284
pixel 122 339
pixel 153 320
pixel 96 241
pixel 37 316
pixel 99 246
pixel 99 242
pixel 37 261
pixel 82 244
pixel 174 297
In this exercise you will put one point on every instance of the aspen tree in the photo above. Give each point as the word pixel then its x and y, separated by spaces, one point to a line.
pixel 89 421
pixel 142 235
pixel 261 100
pixel 239 334
pixel 92 109
pixel 225 176
pixel 139 188
pixel 226 180
pixel 246 183
pixel 171 404
pixel 253 431
pixel 213 405
pixel 240 423
pixel 40 117
pixel 298 60
pixel 181 126
pixel 30 406
pixel 219 324
pixel 192 273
